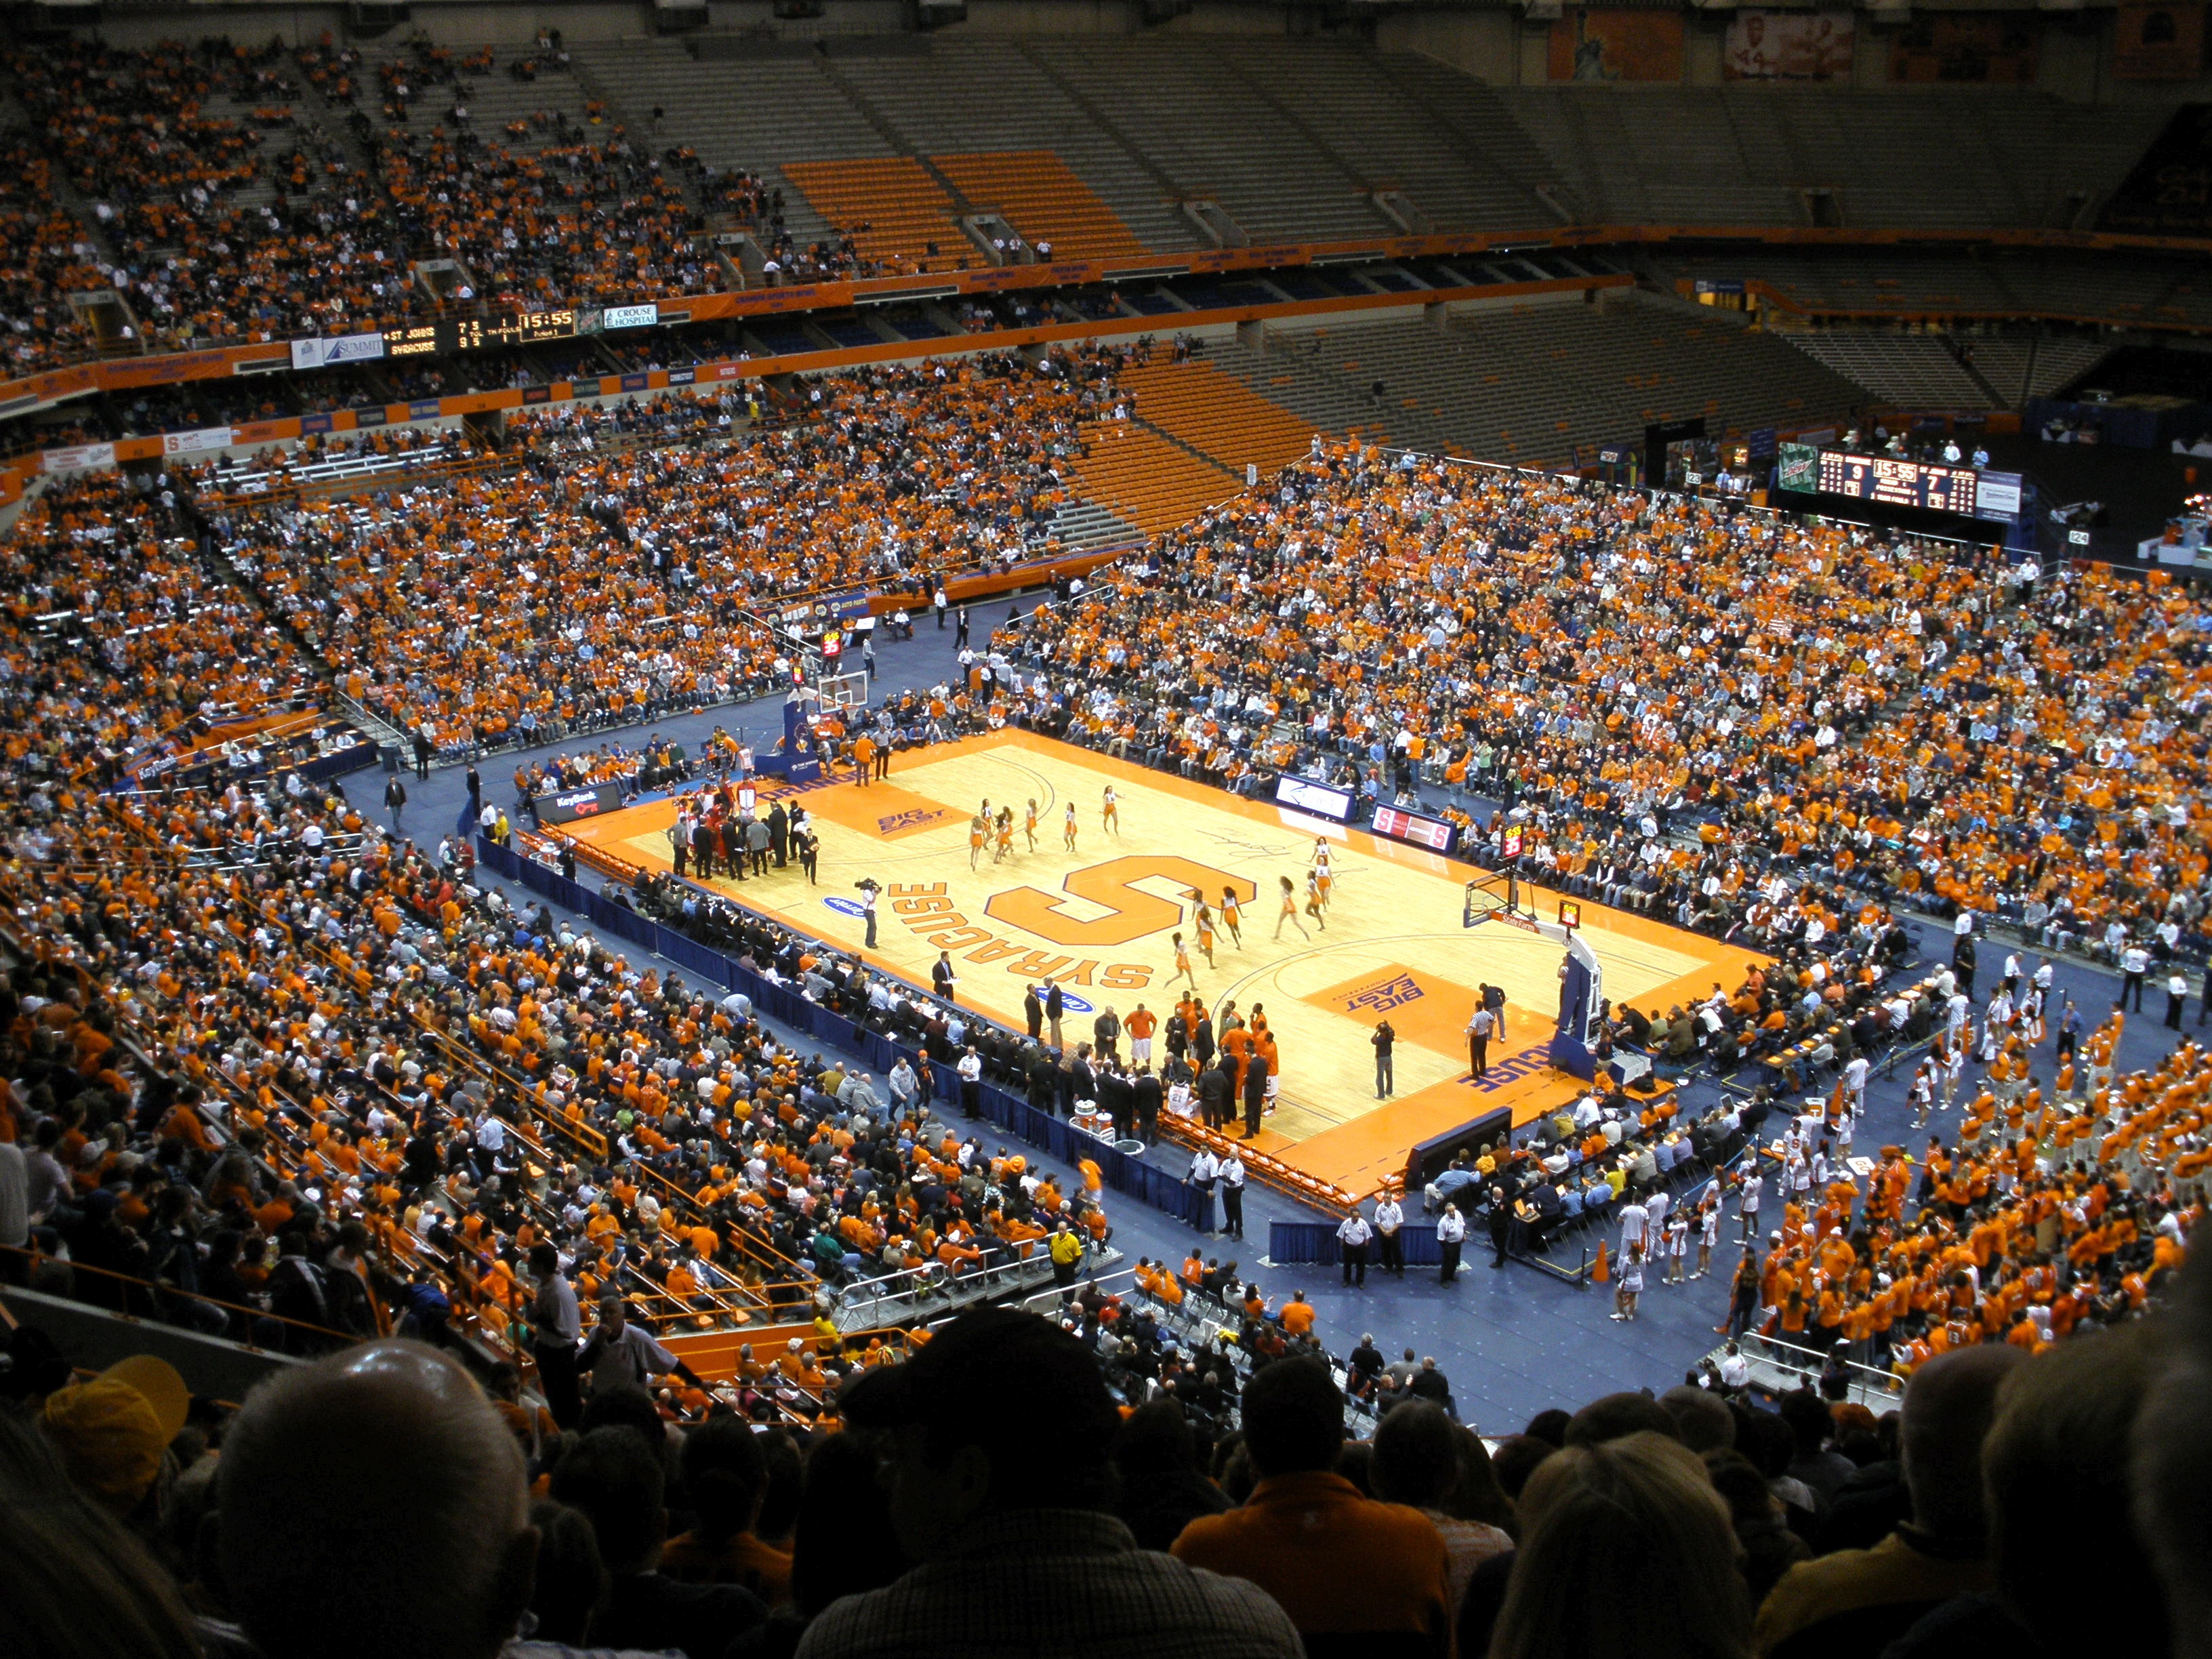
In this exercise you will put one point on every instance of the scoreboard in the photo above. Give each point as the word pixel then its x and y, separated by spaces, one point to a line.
pixel 1897 482
pixel 1437 835
pixel 475 333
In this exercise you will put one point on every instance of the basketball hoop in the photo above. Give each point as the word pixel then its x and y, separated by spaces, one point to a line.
pixel 842 690
pixel 1497 894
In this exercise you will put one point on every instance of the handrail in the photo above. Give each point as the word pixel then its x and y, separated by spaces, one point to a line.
pixel 1054 1297
pixel 1888 1379
pixel 159 1288
pixel 444 469
pixel 980 1281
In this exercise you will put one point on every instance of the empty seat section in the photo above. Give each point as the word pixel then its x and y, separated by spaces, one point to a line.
pixel 1539 384
pixel 984 96
pixel 892 208
pixel 1219 138
pixel 1038 195
pixel 1915 369
pixel 1198 404
pixel 1145 480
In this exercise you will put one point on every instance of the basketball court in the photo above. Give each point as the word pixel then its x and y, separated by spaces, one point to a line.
pixel 1100 921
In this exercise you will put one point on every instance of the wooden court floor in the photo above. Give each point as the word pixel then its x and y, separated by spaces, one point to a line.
pixel 1100 921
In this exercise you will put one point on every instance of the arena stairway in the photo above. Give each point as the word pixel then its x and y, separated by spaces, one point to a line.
pixel 1086 523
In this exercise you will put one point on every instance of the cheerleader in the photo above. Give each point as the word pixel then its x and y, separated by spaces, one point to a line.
pixel 1923 1095
pixel 1206 934
pixel 1315 877
pixel 1232 915
pixel 1110 816
pixel 1678 1246
pixel 1290 911
pixel 1068 828
pixel 975 833
pixel 1709 1234
pixel 1183 964
pixel 1029 823
pixel 1631 1285
pixel 1747 1206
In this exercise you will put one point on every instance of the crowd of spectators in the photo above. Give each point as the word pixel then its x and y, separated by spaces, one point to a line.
pixel 303 208
pixel 612 575
pixel 198 248
pixel 44 255
pixel 306 204
pixel 1732 721
pixel 1003 1491
pixel 116 633
pixel 274 1071
pixel 279 1072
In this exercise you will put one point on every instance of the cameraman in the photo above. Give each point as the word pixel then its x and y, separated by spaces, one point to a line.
pixel 868 891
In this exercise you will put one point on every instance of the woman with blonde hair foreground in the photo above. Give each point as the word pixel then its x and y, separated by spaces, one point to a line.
pixel 1626 1552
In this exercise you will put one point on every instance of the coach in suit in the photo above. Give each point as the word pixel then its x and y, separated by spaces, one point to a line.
pixel 1148 1095
pixel 1214 1087
pixel 1256 1092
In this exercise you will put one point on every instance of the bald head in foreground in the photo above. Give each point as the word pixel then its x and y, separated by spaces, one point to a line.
pixel 374 1504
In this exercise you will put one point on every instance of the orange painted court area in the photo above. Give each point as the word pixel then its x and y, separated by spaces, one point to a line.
pixel 1101 921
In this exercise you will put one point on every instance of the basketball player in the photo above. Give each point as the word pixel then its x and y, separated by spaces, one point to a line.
pixel 1290 911
pixel 1029 823
pixel 976 830
pixel 1231 916
pixel 1315 877
pixel 1274 1086
pixel 1109 817
pixel 1183 964
pixel 1068 828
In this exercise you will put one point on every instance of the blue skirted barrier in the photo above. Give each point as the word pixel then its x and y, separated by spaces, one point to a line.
pixel 1010 1112
pixel 1291 1244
